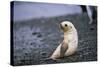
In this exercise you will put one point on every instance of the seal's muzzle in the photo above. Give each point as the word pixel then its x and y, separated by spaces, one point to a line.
pixel 61 26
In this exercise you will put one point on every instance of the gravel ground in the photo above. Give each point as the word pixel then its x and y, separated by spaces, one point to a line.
pixel 36 39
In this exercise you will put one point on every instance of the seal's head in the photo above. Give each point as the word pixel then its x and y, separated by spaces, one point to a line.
pixel 66 26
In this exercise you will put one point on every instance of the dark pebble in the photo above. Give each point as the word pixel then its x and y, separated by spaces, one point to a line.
pixel 22 61
pixel 43 53
pixel 34 33
pixel 39 35
pixel 26 53
pixel 32 43
pixel 23 48
pixel 91 28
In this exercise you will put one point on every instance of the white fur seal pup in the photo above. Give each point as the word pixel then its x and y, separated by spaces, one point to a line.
pixel 70 42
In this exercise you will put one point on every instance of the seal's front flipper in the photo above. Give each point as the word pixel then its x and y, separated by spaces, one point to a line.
pixel 64 47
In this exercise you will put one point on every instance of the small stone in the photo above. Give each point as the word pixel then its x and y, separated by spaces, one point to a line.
pixel 23 48
pixel 39 35
pixel 43 53
pixel 34 33
pixel 91 28
pixel 26 53
pixel 32 43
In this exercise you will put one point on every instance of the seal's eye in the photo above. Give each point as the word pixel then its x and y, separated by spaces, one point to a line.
pixel 65 25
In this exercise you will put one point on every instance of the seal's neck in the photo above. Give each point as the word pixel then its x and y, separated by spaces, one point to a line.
pixel 67 33
pixel 65 36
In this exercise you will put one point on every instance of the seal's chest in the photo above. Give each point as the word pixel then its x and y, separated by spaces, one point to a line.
pixel 70 38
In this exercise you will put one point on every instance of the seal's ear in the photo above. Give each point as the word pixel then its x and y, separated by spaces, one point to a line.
pixel 70 27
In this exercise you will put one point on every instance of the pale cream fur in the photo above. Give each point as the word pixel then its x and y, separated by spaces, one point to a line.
pixel 70 38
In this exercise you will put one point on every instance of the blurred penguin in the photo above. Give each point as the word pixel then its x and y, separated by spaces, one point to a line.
pixel 91 12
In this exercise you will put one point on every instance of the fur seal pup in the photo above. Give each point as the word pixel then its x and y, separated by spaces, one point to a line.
pixel 70 42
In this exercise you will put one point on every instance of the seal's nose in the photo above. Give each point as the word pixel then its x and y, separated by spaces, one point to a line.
pixel 61 26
